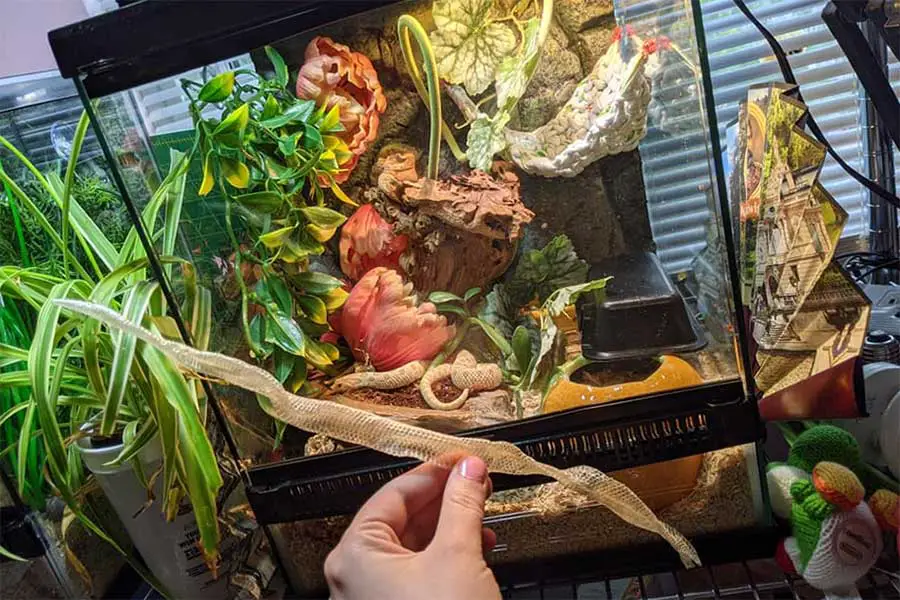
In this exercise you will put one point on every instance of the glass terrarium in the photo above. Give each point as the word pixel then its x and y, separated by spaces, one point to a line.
pixel 464 215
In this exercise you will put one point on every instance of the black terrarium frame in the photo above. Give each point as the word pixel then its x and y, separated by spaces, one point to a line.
pixel 150 40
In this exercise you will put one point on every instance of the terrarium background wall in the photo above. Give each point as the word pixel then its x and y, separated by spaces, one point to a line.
pixel 602 210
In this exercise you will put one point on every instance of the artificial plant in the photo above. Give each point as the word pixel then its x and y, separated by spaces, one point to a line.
pixel 273 156
pixel 81 379
pixel 478 43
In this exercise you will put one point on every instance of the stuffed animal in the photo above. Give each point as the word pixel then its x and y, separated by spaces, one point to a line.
pixel 837 535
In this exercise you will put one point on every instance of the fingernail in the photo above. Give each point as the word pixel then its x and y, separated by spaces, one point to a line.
pixel 473 468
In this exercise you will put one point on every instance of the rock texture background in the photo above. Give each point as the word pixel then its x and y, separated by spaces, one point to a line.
pixel 603 210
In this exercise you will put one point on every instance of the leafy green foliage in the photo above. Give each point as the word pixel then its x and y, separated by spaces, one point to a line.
pixel 93 195
pixel 272 154
pixel 80 375
pixel 27 469
pixel 539 273
pixel 468 43
pixel 486 139
pixel 514 73
pixel 474 46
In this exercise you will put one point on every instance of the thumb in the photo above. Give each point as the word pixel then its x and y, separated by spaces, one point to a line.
pixel 462 507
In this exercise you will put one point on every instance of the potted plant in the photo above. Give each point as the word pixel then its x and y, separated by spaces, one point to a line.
pixel 104 401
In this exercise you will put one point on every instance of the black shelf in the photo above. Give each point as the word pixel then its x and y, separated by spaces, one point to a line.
pixel 153 39
pixel 610 437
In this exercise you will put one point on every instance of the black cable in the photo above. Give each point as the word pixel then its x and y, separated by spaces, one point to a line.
pixel 788 75
pixel 878 267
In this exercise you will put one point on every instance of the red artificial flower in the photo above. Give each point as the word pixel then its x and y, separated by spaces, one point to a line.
pixel 384 325
pixel 368 241
pixel 333 75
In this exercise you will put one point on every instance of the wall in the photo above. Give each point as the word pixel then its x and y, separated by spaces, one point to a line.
pixel 23 32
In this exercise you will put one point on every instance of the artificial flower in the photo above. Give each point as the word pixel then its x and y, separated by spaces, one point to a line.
pixel 368 241
pixel 386 327
pixel 333 75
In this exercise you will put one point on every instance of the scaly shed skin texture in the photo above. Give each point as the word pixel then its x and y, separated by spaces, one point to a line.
pixel 466 373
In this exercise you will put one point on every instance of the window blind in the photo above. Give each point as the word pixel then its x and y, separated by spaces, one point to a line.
pixel 674 153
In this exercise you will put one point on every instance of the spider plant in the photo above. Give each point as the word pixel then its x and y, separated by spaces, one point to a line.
pixel 81 379
pixel 14 331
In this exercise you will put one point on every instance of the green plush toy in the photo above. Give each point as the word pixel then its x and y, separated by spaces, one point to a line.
pixel 837 536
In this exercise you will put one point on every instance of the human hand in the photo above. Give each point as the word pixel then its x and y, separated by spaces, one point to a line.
pixel 420 536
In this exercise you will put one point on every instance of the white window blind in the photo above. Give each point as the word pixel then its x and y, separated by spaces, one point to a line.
pixel 675 159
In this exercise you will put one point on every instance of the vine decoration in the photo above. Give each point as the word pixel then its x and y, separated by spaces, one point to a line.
pixel 475 48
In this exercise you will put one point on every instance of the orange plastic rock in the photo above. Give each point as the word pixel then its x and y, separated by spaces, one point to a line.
pixel 662 484
pixel 672 374
pixel 658 485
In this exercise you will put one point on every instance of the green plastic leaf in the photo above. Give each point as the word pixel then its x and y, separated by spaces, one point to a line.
pixel 280 294
pixel 541 272
pixel 258 334
pixel 218 88
pixel 271 108
pixel 281 70
pixel 313 282
pixel 206 185
pixel 548 337
pixel 521 347
pixel 562 297
pixel 264 202
pixel 277 171
pixel 284 365
pixel 232 127
pixel 468 44
pixel 287 144
pixel 275 239
pixel 486 138
pixel 297 112
pixel 299 247
pixel 442 297
pixel 133 309
pixel 323 217
pixel 514 72
pixel 495 336
pixel 312 138
pixel 320 234
pixel 314 309
pixel 452 308
pixel 331 122
pixel 321 354
pixel 236 173
pixel 284 332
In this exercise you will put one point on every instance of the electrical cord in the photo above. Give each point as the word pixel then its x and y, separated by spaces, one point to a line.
pixel 860 265
pixel 878 267
pixel 788 75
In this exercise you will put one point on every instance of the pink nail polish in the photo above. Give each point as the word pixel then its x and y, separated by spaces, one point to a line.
pixel 473 468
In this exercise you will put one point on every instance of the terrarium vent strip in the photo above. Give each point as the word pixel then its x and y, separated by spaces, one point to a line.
pixel 385 435
pixel 407 25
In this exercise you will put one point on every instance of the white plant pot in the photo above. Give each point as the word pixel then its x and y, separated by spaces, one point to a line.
pixel 170 549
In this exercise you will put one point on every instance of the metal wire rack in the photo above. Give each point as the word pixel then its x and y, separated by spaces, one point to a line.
pixel 751 580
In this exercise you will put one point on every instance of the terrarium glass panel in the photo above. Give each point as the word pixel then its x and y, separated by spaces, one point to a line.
pixel 713 493
pixel 452 213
